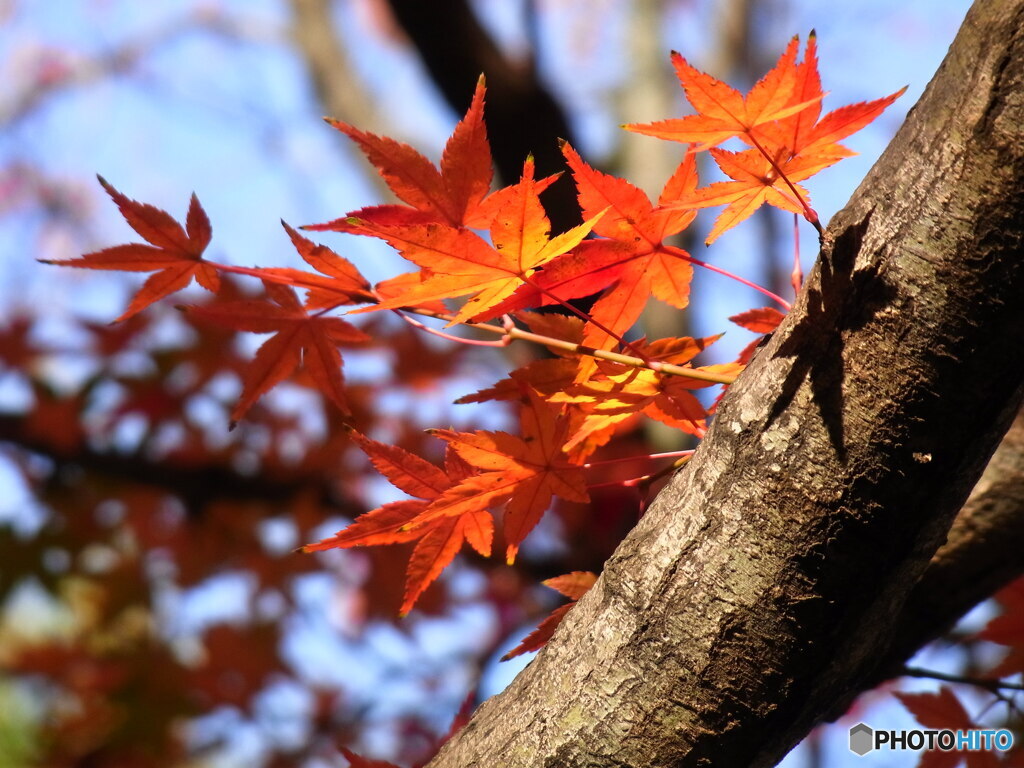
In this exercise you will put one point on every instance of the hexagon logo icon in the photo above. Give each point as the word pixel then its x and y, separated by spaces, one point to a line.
pixel 861 739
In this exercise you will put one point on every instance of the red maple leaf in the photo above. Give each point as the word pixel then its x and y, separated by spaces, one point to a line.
pixel 451 194
pixel 1008 628
pixel 574 586
pixel 299 337
pixel 943 711
pixel 525 471
pixel 763 320
pixel 437 543
pixel 338 283
pixel 630 263
pixel 174 253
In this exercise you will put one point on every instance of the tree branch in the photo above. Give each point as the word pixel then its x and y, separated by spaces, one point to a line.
pixel 335 83
pixel 983 552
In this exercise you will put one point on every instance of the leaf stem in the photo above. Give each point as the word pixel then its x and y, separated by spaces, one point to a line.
pixel 667 455
pixel 588 318
pixel 797 276
pixel 580 349
pixel 634 482
pixel 504 341
pixel 809 213
pixel 681 254
pixel 509 330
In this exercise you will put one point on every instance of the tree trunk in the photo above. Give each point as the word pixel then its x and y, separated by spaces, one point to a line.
pixel 758 594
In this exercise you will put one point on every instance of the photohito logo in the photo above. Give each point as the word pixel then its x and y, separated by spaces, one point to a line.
pixel 864 739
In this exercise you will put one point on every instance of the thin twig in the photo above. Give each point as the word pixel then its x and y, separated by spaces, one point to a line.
pixel 989 684
pixel 506 329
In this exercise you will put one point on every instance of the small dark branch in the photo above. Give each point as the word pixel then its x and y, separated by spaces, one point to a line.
pixel 988 684
pixel 196 485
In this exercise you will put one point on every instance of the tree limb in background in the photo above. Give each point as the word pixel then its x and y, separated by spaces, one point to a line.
pixel 522 116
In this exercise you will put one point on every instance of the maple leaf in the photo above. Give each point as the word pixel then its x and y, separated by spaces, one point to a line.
pixel 451 194
pixel 723 112
pixel 804 132
pixel 780 119
pixel 298 338
pixel 338 284
pixel 1008 628
pixel 457 262
pixel 526 472
pixel 574 586
pixel 629 265
pixel 760 320
pixel 545 375
pixel 756 180
pixel 763 320
pixel 618 391
pixel 438 542
pixel 943 711
pixel 173 253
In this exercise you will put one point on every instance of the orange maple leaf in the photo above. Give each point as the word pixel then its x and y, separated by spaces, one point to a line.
pixel 338 284
pixel 780 119
pixel 756 180
pixel 451 194
pixel 631 262
pixel 298 337
pixel 803 132
pixel 456 261
pixel 437 542
pixel 723 112
pixel 175 253
pixel 617 392
pixel 574 586
pixel 526 472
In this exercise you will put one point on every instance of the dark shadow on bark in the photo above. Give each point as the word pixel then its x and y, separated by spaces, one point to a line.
pixel 843 300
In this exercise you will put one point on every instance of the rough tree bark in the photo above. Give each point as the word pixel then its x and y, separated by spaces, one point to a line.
pixel 758 594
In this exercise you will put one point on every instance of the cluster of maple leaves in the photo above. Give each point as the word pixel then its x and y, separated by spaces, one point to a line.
pixel 495 250
pixel 493 253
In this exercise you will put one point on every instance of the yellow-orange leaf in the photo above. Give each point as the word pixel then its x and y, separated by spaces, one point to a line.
pixel 457 262
pixel 526 471
pixel 573 585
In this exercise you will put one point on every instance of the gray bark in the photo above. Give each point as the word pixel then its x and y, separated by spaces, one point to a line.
pixel 759 593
